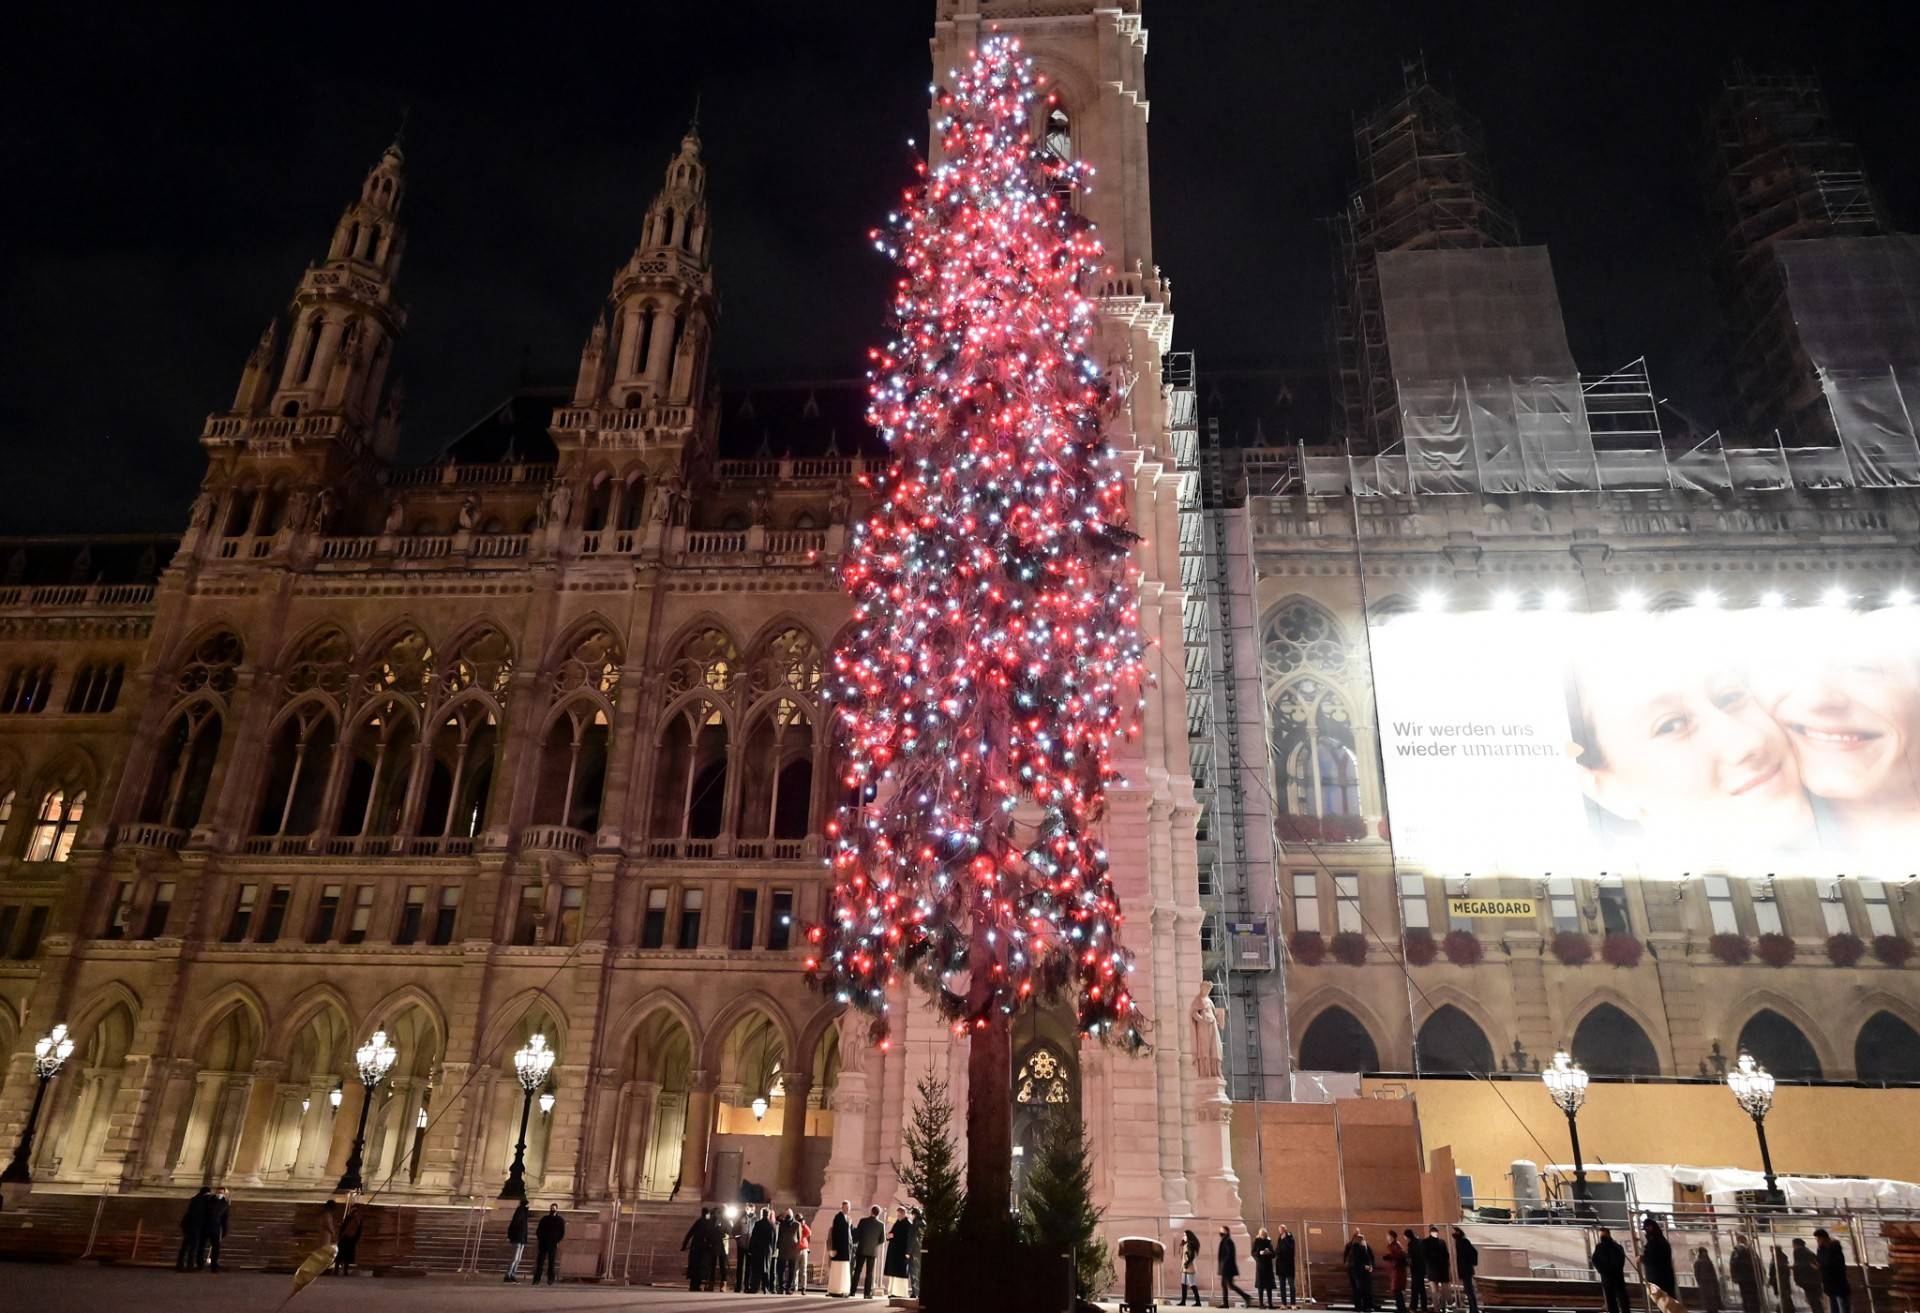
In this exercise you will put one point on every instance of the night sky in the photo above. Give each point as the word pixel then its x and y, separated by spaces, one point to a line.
pixel 171 174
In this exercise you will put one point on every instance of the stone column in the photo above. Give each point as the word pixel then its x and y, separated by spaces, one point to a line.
pixel 437 1153
pixel 660 348
pixel 617 819
pixel 262 1096
pixel 174 1097
pixel 793 1132
pixel 693 1153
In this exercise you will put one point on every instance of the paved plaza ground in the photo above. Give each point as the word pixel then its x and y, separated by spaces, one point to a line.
pixel 29 1286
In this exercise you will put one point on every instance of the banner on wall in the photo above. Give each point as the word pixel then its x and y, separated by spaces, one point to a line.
pixel 1744 742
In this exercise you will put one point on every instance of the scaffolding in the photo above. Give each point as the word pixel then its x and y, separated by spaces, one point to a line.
pixel 1781 172
pixel 1424 185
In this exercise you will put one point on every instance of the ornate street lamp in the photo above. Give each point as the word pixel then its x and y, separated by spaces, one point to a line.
pixel 1752 1086
pixel 374 1060
pixel 50 1052
pixel 1566 1082
pixel 531 1063
pixel 547 1100
pixel 760 1106
pixel 334 1096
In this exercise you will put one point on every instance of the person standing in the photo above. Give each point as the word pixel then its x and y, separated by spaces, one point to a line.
pixel 517 1237
pixel 1395 1258
pixel 1706 1281
pixel 193 1226
pixel 1806 1274
pixel 867 1239
pixel 1358 1258
pixel 1283 1269
pixel 695 1244
pixel 742 1245
pixel 806 1254
pixel 546 1238
pixel 919 1220
pixel 761 1251
pixel 1227 1263
pixel 1189 1279
pixel 1781 1279
pixel 1743 1264
pixel 353 1222
pixel 1609 1262
pixel 218 1215
pixel 1263 1268
pixel 899 1264
pixel 840 1254
pixel 1416 1271
pixel 1833 1273
pixel 1656 1258
pixel 788 1240
pixel 1439 1265
pixel 1466 1261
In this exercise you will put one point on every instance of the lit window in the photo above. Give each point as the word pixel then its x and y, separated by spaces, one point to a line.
pixel 1720 909
pixel 362 916
pixel 573 905
pixel 691 903
pixel 780 928
pixel 118 914
pixel 653 928
pixel 1346 892
pixel 1563 905
pixel 241 919
pixel 1766 911
pixel 1306 901
pixel 56 826
pixel 445 915
pixel 1413 903
pixel 1879 914
pixel 325 913
pixel 1614 919
pixel 1833 907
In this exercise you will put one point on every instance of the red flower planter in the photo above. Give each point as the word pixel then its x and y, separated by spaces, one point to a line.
pixel 1845 949
pixel 1892 949
pixel 1307 947
pixel 1734 950
pixel 1462 948
pixel 1622 950
pixel 1350 947
pixel 1419 947
pixel 1776 950
pixel 1573 948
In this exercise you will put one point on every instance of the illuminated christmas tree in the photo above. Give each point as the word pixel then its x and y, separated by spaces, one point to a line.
pixel 994 659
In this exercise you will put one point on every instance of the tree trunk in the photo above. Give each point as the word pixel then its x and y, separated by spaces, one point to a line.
pixel 990 1124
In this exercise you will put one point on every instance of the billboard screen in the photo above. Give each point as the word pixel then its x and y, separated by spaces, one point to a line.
pixel 1751 742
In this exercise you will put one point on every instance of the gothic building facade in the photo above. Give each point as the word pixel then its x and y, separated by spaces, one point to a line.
pixel 528 739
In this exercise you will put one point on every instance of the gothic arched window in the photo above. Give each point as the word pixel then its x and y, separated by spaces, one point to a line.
pixel 402 666
pixel 96 688
pixel 1778 1045
pixel 1887 1049
pixel 1450 1041
pixel 789 659
pixel 1336 1041
pixel 178 786
pixel 56 825
pixel 592 662
pixel 1057 134
pixel 213 665
pixel 1044 1079
pixel 1314 753
pixel 324 665
pixel 708 659
pixel 299 762
pixel 1608 1042
pixel 573 767
pixel 310 349
pixel 483 660
pixel 1302 636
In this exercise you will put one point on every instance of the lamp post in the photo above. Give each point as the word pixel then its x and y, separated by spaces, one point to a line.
pixel 374 1060
pixel 1752 1086
pixel 1566 1081
pixel 531 1063
pixel 50 1052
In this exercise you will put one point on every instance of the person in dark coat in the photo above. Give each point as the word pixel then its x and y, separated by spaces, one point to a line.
pixel 218 1213
pixel 899 1264
pixel 1781 1279
pixel 1227 1262
pixel 1806 1274
pixel 697 1245
pixel 1833 1273
pixel 840 1239
pixel 1609 1262
pixel 761 1245
pixel 1358 1258
pixel 1706 1282
pixel 1439 1264
pixel 353 1223
pixel 517 1237
pixel 1263 1268
pixel 193 1226
pixel 867 1239
pixel 546 1241
pixel 1417 1271
pixel 742 1242
pixel 1395 1261
pixel 1283 1268
pixel 1189 1278
pixel 787 1239
pixel 919 1220
pixel 1466 1261
pixel 1743 1264
pixel 1656 1258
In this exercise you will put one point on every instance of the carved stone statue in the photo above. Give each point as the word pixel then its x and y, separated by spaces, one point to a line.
pixel 1206 1035
pixel 559 502
pixel 202 510
pixel 759 510
pixel 854 1043
pixel 839 504
pixel 665 494
pixel 396 514
pixel 324 506
pixel 469 511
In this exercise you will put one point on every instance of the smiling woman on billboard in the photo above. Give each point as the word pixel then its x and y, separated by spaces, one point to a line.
pixel 1669 737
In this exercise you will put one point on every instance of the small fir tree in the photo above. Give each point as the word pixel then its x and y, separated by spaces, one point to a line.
pixel 931 1173
pixel 1056 1206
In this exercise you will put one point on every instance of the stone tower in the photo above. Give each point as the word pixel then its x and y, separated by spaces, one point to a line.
pixel 1159 1123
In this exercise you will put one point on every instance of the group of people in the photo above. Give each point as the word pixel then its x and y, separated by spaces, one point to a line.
pixel 202 1227
pixel 1423 1274
pixel 547 1235
pixel 768 1255
pixel 858 1246
pixel 1818 1271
